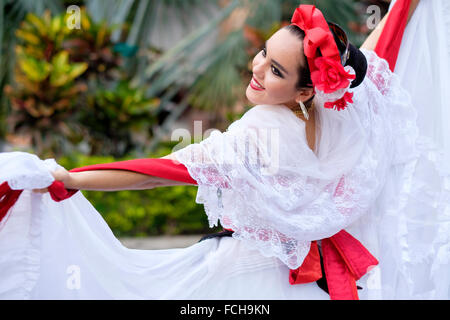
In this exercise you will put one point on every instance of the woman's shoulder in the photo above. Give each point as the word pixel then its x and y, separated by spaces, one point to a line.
pixel 276 120
pixel 266 115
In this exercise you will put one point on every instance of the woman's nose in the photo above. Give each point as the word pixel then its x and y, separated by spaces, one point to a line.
pixel 258 68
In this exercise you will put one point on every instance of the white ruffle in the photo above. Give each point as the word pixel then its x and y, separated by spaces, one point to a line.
pixel 31 165
pixel 413 216
pixel 65 250
pixel 20 248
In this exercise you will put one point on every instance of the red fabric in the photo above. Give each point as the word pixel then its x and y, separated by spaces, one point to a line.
pixel 341 283
pixel 388 45
pixel 356 257
pixel 345 260
pixel 317 34
pixel 163 168
pixel 310 269
pixel 7 198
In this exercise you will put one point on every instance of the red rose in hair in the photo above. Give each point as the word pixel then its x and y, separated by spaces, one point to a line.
pixel 330 75
pixel 340 104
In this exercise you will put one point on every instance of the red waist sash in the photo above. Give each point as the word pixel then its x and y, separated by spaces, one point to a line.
pixel 345 260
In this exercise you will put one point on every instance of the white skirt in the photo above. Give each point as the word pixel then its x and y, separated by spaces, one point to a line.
pixel 65 250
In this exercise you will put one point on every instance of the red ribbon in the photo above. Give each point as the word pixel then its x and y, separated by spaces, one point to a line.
pixel 7 198
pixel 317 34
pixel 388 45
pixel 345 260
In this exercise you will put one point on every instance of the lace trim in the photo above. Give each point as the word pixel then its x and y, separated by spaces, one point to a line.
pixel 404 120
pixel 422 205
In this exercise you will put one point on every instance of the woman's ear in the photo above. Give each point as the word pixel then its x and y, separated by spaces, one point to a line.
pixel 304 94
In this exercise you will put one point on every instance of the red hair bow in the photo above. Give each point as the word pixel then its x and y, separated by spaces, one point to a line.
pixel 327 72
pixel 317 34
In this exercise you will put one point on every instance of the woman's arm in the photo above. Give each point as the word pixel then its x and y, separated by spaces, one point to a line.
pixel 372 39
pixel 115 180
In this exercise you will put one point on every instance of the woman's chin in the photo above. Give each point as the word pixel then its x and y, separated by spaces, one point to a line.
pixel 251 96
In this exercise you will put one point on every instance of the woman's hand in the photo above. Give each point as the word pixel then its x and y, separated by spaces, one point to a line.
pixel 60 175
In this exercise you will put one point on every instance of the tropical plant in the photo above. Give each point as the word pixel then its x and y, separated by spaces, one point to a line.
pixel 119 119
pixel 12 13
pixel 69 89
pixel 92 43
pixel 44 93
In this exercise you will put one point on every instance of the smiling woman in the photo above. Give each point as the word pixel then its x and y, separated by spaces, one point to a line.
pixel 275 72
pixel 289 207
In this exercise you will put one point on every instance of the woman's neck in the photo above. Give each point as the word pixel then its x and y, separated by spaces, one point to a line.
pixel 310 125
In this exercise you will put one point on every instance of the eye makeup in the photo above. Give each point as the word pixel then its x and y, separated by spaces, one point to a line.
pixel 275 69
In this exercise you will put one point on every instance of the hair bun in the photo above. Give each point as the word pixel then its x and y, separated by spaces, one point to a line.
pixel 357 60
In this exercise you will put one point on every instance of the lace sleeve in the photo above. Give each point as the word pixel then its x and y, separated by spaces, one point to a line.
pixel 400 113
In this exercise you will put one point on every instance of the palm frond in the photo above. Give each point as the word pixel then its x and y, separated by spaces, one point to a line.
pixel 177 58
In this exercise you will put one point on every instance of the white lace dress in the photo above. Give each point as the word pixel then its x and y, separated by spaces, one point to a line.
pixel 369 175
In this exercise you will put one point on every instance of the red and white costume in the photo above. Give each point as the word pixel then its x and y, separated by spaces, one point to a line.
pixel 374 174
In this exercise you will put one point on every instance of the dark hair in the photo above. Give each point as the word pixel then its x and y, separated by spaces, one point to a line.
pixel 356 59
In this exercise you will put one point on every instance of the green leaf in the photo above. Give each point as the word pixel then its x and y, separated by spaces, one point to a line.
pixel 38 23
pixel 77 69
pixel 28 37
pixel 35 70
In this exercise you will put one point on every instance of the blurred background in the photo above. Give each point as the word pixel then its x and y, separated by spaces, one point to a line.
pixel 97 81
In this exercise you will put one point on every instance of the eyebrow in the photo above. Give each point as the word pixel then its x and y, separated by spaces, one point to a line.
pixel 276 63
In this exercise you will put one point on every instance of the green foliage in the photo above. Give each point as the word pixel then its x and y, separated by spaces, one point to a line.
pixel 92 43
pixel 208 91
pixel 120 119
pixel 45 92
pixel 69 92
pixel 165 210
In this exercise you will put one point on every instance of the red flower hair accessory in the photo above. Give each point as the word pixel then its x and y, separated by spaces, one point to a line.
pixel 341 103
pixel 331 80
pixel 330 75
